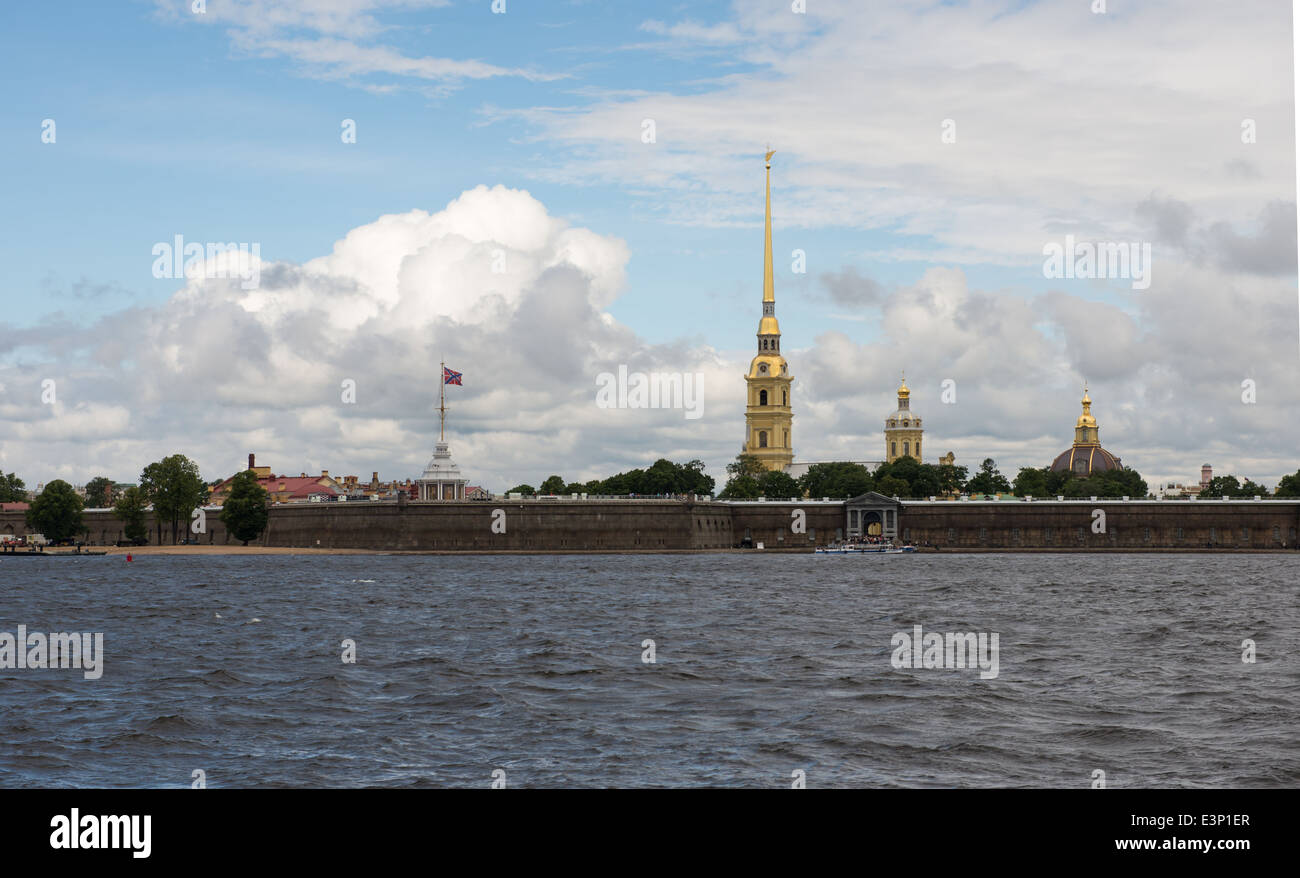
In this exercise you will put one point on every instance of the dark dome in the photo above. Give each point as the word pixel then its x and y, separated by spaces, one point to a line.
pixel 1084 460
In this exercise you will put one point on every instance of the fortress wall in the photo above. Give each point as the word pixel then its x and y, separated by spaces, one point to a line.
pixel 648 525
pixel 770 523
pixel 106 528
pixel 558 525
pixel 1013 524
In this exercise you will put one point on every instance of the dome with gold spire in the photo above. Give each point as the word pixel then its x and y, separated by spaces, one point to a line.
pixel 1085 456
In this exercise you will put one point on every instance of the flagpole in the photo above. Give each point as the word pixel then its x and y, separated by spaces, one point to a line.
pixel 442 402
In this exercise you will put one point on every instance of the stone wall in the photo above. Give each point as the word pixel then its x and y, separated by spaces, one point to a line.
pixel 1134 524
pixel 651 525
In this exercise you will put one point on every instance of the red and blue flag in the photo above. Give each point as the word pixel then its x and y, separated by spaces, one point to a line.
pixel 450 377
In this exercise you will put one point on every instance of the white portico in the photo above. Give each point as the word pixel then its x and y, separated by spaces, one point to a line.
pixel 441 479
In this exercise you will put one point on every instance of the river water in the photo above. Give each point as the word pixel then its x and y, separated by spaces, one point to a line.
pixel 767 669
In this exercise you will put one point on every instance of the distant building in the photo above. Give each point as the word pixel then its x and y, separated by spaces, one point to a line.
pixel 1085 456
pixel 283 489
pixel 903 428
pixel 1207 473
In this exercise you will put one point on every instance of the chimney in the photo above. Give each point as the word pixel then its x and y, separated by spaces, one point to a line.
pixel 324 474
pixel 250 461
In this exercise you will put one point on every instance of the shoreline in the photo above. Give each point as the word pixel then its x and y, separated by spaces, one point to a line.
pixel 205 551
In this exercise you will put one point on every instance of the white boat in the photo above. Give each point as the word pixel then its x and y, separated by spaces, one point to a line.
pixel 864 549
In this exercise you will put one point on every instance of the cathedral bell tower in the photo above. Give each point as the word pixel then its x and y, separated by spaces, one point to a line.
pixel 767 409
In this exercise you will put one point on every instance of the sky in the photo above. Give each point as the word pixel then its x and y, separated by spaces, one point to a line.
pixel 548 192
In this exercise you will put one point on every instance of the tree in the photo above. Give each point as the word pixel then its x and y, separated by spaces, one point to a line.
pixel 99 492
pixel 988 480
pixel 1221 486
pixel 175 489
pixel 1030 482
pixel 740 488
pixel 951 478
pixel 56 512
pixel 130 508
pixel 12 489
pixel 526 490
pixel 552 485
pixel 777 484
pixel 244 513
pixel 746 465
pixel 1289 486
pixel 839 480
pixel 892 486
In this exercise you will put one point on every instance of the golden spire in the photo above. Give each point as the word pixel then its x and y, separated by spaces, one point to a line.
pixel 769 287
pixel 768 325
pixel 903 392
pixel 1085 428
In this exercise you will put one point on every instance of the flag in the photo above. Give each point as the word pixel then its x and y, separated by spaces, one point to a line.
pixel 450 377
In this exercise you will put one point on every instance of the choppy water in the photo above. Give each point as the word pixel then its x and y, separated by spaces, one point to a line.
pixel 765 664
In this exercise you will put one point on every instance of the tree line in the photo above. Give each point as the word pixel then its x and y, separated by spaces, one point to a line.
pixel 661 477
pixel 171 486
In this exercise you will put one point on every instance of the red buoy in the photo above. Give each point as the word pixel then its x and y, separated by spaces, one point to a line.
pixel 128 556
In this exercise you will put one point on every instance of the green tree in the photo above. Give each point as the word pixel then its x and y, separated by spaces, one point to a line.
pixel 99 492
pixel 130 508
pixel 746 465
pixel 740 488
pixel 175 489
pixel 576 488
pixel 1030 482
pixel 1289 486
pixel 892 486
pixel 526 490
pixel 778 485
pixel 951 478
pixel 552 485
pixel 988 480
pixel 56 511
pixel 244 513
pixel 838 480
pixel 12 489
pixel 1221 486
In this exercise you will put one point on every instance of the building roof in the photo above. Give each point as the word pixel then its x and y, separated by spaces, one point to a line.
pixel 1085 460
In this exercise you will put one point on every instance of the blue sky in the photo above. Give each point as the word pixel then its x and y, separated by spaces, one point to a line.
pixel 225 126
pixel 164 128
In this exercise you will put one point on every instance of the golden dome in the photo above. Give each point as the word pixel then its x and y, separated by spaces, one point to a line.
pixel 768 326
pixel 903 392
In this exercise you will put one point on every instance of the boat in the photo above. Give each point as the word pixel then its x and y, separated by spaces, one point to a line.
pixel 865 549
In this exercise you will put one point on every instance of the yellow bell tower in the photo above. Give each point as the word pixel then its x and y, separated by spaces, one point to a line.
pixel 767 409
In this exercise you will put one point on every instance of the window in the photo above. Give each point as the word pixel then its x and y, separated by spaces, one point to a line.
pixel 952 534
pixel 984 535
pixel 893 449
pixel 785 397
pixel 787 439
pixel 1015 535
pixel 1213 534
pixel 1047 536
pixel 907 448
pixel 1277 534
pixel 1146 537
pixel 918 451
pixel 1180 533
pixel 1245 535
pixel 762 438
pixel 762 397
